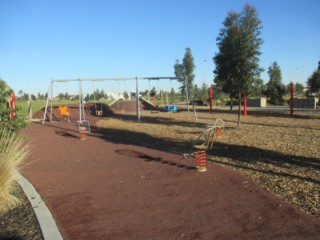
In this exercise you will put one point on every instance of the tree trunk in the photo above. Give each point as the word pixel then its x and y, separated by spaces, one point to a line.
pixel 231 104
pixel 239 110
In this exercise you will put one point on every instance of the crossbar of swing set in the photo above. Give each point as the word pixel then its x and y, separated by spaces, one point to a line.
pixel 99 79
pixel 112 79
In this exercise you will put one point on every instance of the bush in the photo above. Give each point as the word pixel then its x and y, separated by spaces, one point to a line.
pixel 197 103
pixel 12 152
pixel 5 121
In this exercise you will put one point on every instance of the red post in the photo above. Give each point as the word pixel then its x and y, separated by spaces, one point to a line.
pixel 245 106
pixel 12 105
pixel 210 98
pixel 291 98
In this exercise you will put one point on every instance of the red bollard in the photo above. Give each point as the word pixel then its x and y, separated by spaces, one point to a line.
pixel 245 106
pixel 210 98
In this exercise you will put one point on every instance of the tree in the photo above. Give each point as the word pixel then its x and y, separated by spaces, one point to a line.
pixel 40 96
pixel 202 92
pixel 33 97
pixel 298 89
pixel 237 62
pixel 61 96
pixel 153 92
pixel 314 83
pixel 184 72
pixel 25 97
pixel 275 89
pixel 20 93
pixel 125 95
pixel 66 96
pixel 257 88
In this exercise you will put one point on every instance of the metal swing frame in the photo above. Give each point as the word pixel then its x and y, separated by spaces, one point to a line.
pixel 82 119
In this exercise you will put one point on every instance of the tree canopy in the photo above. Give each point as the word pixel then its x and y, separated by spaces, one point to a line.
pixel 314 83
pixel 275 89
pixel 185 72
pixel 237 62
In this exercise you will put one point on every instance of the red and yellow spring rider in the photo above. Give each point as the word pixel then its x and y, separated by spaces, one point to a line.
pixel 208 137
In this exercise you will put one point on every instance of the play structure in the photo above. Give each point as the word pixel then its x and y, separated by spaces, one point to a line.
pixel 82 121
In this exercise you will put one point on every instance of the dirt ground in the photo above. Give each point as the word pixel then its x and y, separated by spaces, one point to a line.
pixel 129 180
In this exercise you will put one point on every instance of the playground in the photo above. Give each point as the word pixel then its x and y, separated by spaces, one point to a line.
pixel 131 180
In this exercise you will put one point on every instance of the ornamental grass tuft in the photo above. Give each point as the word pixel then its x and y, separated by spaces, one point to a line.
pixel 13 151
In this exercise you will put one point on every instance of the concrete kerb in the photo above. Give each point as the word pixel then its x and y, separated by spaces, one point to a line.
pixel 47 224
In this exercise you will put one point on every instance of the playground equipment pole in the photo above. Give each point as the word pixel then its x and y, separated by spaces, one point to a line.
pixel 80 102
pixel 51 101
pixel 187 94
pixel 137 99
pixel 291 98
pixel 245 106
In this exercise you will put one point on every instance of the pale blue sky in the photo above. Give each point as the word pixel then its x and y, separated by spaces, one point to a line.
pixel 43 40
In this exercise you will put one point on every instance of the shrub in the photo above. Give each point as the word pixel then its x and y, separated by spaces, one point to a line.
pixel 12 152
pixel 5 121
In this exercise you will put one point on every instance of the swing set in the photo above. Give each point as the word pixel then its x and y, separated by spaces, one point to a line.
pixel 99 112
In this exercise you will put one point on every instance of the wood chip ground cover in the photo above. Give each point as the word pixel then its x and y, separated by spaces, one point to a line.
pixel 278 151
pixel 20 222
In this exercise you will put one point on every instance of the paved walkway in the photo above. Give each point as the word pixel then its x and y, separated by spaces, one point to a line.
pixel 102 188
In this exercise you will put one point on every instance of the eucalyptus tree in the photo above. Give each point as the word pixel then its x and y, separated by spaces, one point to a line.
pixel 185 72
pixel 275 89
pixel 237 62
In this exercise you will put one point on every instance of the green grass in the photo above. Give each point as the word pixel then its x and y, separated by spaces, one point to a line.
pixel 37 106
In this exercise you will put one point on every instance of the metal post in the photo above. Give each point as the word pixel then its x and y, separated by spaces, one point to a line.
pixel 82 105
pixel 149 91
pixel 137 100
pixel 51 101
pixel 187 94
pixel 80 111
pixel 47 102
pixel 291 98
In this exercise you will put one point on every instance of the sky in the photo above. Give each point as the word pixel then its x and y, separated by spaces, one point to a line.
pixel 57 39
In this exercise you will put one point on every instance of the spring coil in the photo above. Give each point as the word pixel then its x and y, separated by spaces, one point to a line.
pixel 201 160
